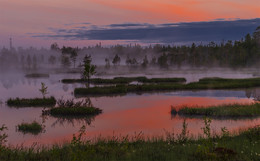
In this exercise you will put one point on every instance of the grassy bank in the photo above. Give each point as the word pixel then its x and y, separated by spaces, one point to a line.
pixel 33 128
pixel 206 83
pixel 225 111
pixel 126 80
pixel 224 147
pixel 31 102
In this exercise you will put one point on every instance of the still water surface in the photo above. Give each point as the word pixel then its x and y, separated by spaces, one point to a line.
pixel 122 115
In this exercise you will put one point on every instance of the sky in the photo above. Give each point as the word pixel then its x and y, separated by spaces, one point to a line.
pixel 87 22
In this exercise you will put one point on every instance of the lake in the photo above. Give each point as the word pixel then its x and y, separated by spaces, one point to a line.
pixel 130 114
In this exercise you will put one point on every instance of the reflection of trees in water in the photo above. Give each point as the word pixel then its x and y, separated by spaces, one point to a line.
pixel 65 87
pixel 9 83
pixel 253 93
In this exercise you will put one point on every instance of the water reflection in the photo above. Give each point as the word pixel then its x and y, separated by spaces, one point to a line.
pixel 62 120
pixel 125 115
pixel 73 121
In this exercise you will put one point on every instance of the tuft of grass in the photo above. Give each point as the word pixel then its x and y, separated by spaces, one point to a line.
pixel 33 128
pixel 32 102
pixel 221 111
pixel 70 108
pixel 37 75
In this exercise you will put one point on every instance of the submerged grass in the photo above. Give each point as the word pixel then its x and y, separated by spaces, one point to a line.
pixel 221 111
pixel 126 80
pixel 225 147
pixel 33 128
pixel 32 102
pixel 206 83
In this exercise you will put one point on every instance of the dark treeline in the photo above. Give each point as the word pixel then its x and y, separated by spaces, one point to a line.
pixel 233 54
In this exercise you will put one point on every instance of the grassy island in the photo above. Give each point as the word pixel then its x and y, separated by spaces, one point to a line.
pixel 202 84
pixel 70 108
pixel 126 80
pixel 221 111
pixel 33 128
pixel 31 102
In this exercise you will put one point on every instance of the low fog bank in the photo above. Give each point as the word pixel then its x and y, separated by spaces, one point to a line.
pixel 229 57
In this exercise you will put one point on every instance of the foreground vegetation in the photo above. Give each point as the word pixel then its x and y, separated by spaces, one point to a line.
pixel 224 147
pixel 220 111
pixel 31 102
pixel 33 128
pixel 206 83
pixel 73 109
pixel 126 80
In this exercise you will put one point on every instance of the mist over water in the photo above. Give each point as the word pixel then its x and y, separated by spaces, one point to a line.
pixel 123 115
pixel 127 114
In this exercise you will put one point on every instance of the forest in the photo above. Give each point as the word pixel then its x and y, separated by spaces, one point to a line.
pixel 242 53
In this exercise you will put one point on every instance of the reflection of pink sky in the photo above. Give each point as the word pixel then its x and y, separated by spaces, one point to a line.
pixel 127 115
pixel 18 18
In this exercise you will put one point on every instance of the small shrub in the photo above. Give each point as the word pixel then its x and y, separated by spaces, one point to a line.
pixel 43 89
